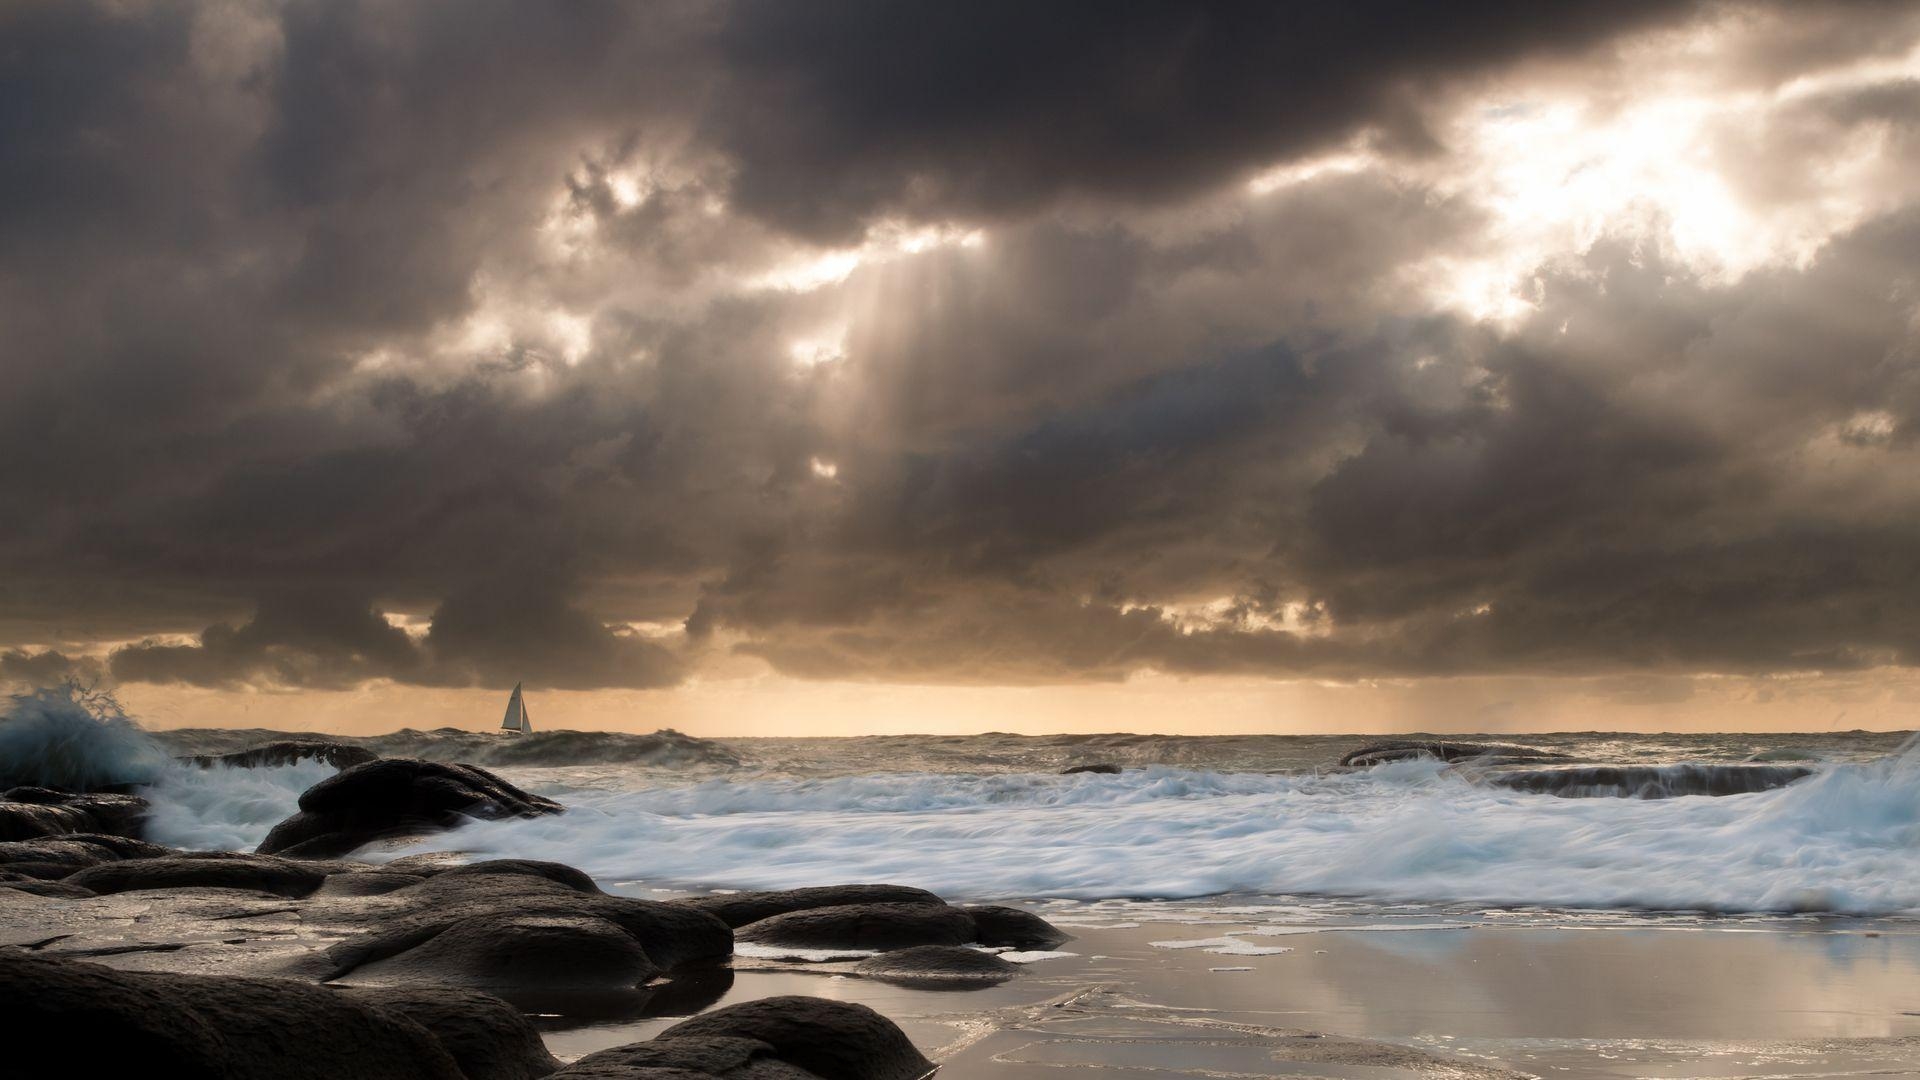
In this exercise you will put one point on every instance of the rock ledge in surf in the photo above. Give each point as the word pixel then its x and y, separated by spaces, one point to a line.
pixel 393 797
pixel 288 752
pixel 1407 750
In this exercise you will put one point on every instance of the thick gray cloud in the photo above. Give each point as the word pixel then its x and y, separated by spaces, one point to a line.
pixel 487 315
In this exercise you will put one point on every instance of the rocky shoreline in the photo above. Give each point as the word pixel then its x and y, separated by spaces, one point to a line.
pixel 293 961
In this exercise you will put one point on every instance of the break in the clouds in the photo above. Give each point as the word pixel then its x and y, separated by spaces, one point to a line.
pixel 606 345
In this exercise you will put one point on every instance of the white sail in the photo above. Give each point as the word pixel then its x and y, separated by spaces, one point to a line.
pixel 517 719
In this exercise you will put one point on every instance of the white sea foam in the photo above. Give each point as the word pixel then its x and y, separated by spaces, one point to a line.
pixel 224 807
pixel 1846 839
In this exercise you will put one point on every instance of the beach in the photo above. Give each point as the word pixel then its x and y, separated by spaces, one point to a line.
pixel 1672 933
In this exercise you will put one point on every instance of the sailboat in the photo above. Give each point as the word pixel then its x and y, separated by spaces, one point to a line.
pixel 517 720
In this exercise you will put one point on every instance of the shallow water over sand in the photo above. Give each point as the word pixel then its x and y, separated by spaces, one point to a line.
pixel 1579 995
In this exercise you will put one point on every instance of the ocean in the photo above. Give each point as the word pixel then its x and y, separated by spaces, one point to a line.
pixel 990 817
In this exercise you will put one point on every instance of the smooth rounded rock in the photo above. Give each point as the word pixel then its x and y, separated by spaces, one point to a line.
pixel 535 952
pixel 864 926
pixel 739 909
pixel 835 1040
pixel 938 966
pixel 995 924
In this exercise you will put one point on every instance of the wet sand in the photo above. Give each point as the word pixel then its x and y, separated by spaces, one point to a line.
pixel 1414 994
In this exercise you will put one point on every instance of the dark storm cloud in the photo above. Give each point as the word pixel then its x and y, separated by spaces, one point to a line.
pixel 322 311
pixel 986 108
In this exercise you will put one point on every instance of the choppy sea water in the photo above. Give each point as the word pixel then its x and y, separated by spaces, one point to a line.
pixel 990 817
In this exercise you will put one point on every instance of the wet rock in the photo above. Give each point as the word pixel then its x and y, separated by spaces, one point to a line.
pixel 56 857
pixel 1103 768
pixel 535 952
pixel 396 796
pixel 96 1021
pixel 366 883
pixel 937 966
pixel 864 926
pixel 1015 927
pixel 1406 750
pixel 739 909
pixel 835 1040
pixel 30 812
pixel 218 870
pixel 524 924
pixel 288 752
pixel 488 1038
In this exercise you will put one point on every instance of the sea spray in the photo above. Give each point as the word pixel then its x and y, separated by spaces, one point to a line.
pixel 74 738
pixel 1846 839
pixel 223 807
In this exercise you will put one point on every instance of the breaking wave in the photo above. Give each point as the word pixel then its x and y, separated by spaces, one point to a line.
pixel 1844 839
pixel 73 738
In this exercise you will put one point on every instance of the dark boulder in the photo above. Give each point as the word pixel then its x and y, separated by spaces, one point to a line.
pixel 938 966
pixel 864 926
pixel 392 797
pixel 87 1020
pixel 259 873
pixel 739 909
pixel 288 752
pixel 1016 927
pixel 488 1038
pixel 533 952
pixel 30 812
pixel 835 1040
pixel 1406 750
pixel 1102 768
pixel 522 923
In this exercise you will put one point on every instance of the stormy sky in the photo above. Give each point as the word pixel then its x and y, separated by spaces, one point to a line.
pixel 999 362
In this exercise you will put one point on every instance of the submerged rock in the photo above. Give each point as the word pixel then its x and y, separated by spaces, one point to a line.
pixel 780 1038
pixel 395 796
pixel 1103 768
pixel 937 966
pixel 30 812
pixel 216 870
pixel 288 752
pixel 739 909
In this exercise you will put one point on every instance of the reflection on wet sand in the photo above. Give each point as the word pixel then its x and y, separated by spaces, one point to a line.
pixel 1413 993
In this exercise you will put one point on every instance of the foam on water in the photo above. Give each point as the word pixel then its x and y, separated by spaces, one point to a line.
pixel 1846 839
pixel 225 808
